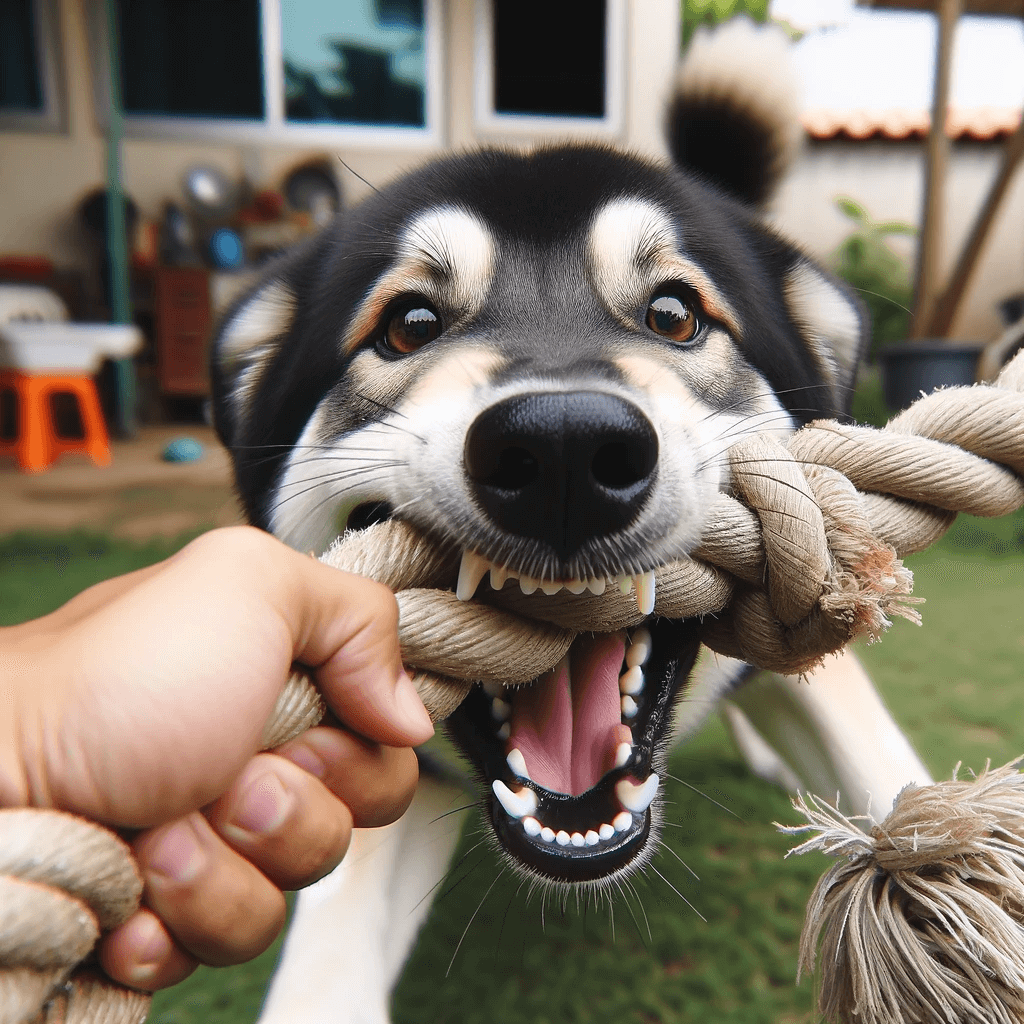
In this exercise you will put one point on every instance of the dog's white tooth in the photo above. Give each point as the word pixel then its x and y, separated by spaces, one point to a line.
pixel 623 752
pixel 622 821
pixel 632 681
pixel 505 731
pixel 528 584
pixel 629 707
pixel 562 838
pixel 492 688
pixel 576 586
pixel 596 586
pixel 639 649
pixel 547 834
pixel 606 831
pixel 552 587
pixel 517 805
pixel 471 571
pixel 498 577
pixel 592 838
pixel 531 826
pixel 517 763
pixel 637 797
pixel 644 584
pixel 625 584
pixel 577 839
pixel 500 709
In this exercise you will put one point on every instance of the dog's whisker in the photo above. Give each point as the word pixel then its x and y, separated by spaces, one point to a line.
pixel 688 785
pixel 678 893
pixel 665 846
pixel 465 931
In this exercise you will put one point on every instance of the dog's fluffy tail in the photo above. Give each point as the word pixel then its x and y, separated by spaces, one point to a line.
pixel 735 117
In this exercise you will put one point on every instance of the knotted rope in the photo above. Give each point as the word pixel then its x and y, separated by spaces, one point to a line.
pixel 802 558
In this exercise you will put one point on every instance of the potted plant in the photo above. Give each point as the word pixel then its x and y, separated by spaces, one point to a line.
pixel 867 262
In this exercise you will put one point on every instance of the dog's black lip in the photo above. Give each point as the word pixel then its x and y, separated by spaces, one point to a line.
pixel 674 650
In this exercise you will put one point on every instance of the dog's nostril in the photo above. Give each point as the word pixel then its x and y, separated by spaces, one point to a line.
pixel 516 468
pixel 618 465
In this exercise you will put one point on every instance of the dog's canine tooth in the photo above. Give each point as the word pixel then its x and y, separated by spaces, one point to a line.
pixel 531 826
pixel 500 709
pixel 471 571
pixel 592 838
pixel 606 831
pixel 639 649
pixel 623 752
pixel 632 681
pixel 622 821
pixel 629 707
pixel 597 586
pixel 517 763
pixel 637 797
pixel 644 585
pixel 517 805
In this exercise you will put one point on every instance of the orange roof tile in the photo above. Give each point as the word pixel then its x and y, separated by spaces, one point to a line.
pixel 979 123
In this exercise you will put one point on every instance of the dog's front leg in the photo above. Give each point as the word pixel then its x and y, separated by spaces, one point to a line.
pixel 828 734
pixel 352 931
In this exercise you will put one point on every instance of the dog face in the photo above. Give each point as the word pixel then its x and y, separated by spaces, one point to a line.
pixel 544 359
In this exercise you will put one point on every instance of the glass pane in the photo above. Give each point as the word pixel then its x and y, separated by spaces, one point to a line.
pixel 197 58
pixel 354 61
pixel 555 70
pixel 20 88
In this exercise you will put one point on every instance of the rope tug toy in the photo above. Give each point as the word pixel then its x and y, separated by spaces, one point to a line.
pixel 922 921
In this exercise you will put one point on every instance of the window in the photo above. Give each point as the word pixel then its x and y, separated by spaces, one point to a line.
pixel 29 66
pixel 294 70
pixel 544 67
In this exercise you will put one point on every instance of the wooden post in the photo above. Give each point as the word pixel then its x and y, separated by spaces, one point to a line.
pixel 937 158
pixel 947 304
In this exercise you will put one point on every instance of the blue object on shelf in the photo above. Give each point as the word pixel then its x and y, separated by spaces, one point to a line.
pixel 226 249
pixel 183 449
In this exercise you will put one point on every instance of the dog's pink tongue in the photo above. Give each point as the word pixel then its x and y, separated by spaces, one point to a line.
pixel 564 724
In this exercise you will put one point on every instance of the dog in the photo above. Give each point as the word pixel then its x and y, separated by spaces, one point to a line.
pixel 542 357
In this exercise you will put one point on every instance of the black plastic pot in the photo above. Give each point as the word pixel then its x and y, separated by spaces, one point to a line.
pixel 912 367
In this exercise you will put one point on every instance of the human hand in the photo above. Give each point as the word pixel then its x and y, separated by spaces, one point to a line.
pixel 141 702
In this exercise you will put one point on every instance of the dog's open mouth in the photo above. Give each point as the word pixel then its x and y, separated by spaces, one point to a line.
pixel 571 758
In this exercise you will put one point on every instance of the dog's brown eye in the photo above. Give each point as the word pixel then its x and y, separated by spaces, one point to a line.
pixel 411 327
pixel 672 318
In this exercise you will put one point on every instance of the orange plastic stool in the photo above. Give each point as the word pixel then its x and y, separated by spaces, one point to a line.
pixel 37 444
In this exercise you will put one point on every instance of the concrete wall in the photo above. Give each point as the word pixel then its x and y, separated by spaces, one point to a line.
pixel 887 179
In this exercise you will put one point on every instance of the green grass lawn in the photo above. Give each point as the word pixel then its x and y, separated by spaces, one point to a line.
pixel 956 684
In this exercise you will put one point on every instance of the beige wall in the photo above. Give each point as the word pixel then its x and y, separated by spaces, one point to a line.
pixel 887 178
pixel 43 176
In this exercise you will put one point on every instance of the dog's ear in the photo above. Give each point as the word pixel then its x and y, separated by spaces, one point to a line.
pixel 247 341
pixel 734 120
pixel 833 325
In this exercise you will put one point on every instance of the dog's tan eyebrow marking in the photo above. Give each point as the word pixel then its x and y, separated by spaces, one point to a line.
pixel 633 248
pixel 445 254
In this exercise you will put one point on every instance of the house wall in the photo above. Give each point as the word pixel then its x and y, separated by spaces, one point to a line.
pixel 43 176
pixel 887 179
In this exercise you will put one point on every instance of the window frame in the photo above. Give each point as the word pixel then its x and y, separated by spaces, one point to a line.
pixel 53 117
pixel 273 128
pixel 487 119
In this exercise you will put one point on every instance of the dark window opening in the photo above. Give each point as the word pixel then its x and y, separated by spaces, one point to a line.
pixel 20 87
pixel 195 58
pixel 8 414
pixel 549 58
pixel 66 415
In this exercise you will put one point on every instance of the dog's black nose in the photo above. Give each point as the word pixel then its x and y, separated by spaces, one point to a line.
pixel 562 467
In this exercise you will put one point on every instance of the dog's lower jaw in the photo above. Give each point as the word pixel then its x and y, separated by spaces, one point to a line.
pixel 605 832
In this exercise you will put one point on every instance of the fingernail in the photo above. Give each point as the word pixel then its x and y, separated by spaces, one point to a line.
pixel 413 714
pixel 178 853
pixel 263 806
pixel 153 946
